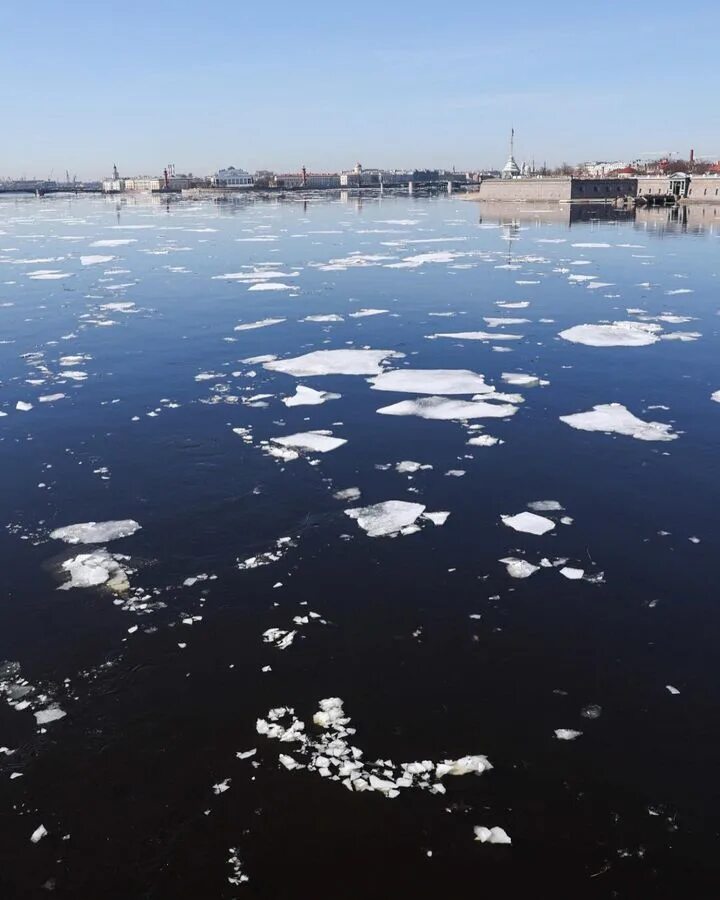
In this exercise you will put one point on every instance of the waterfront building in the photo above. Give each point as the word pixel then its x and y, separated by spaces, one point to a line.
pixel 232 178
pixel 562 189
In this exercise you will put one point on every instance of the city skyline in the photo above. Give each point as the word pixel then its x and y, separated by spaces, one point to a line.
pixel 393 88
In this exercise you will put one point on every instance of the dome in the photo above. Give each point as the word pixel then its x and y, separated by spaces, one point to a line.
pixel 511 169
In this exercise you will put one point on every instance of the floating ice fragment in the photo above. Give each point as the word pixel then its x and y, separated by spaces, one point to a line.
pixel 96 568
pixel 272 286
pixel 312 441
pixel 518 568
pixel 334 362
pixel 528 523
pixel 437 518
pixel 545 506
pixel 408 466
pixel 671 689
pixel 519 379
pixel 262 323
pixel 443 408
pixel 95 532
pixel 615 334
pixel 477 336
pixel 572 574
pixel 39 833
pixel 95 260
pixel 567 734
pixel 616 418
pixel 22 406
pixel 495 835
pixel 387 518
pixel 361 313
pixel 222 786
pixel 500 322
pixel 305 396
pixel 484 440
pixel 51 398
pixel 431 381
pixel 49 714
pixel 351 493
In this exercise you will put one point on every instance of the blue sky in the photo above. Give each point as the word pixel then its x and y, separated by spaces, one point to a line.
pixel 203 85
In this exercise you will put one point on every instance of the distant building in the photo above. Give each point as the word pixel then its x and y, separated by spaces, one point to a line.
pixel 143 183
pixel 232 178
pixel 600 169
pixel 321 180
pixel 563 189
pixel 511 169
pixel 288 180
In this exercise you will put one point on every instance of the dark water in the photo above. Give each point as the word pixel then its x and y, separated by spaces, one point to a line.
pixel 123 783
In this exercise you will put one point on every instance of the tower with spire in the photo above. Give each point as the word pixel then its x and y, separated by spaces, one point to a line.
pixel 511 168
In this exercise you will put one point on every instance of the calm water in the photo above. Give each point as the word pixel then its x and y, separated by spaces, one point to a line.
pixel 436 651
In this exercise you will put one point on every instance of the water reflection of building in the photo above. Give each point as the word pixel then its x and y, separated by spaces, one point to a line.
pixel 696 218
pixel 497 212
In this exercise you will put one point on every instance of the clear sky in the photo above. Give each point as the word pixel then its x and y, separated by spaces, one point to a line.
pixel 395 84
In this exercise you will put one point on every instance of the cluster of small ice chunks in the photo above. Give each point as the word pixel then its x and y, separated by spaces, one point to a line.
pixel 330 754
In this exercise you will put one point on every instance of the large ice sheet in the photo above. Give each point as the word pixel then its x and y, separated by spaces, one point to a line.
pixel 96 532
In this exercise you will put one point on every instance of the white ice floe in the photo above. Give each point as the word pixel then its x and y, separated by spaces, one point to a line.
pixel 671 689
pixel 529 523
pixel 351 493
pixel 51 398
pixel 408 466
pixel 545 506
pixel 571 573
pixel 282 639
pixel 39 833
pixel 477 336
pixel 95 260
pixel 502 321
pixel 484 440
pixel 362 313
pixel 305 396
pixel 330 317
pixel 49 714
pixel 262 323
pixel 22 406
pixel 519 379
pixel 95 532
pixel 390 517
pixel 517 304
pixel 437 518
pixel 272 286
pixel 518 568
pixel 309 441
pixel 495 835
pixel 443 408
pixel 715 396
pixel 96 568
pixel 114 242
pixel 431 381
pixel 616 418
pixel 282 545
pixel 329 754
pixel 567 734
pixel 614 334
pixel 334 362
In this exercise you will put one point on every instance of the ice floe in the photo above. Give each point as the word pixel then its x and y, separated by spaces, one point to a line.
pixel 616 418
pixel 95 569
pixel 519 568
pixel 567 734
pixel 615 334
pixel 95 532
pixel 390 517
pixel 495 835
pixel 443 408
pixel 477 336
pixel 305 396
pixel 529 523
pixel 431 381
pixel 262 323
pixel 304 442
pixel 334 362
